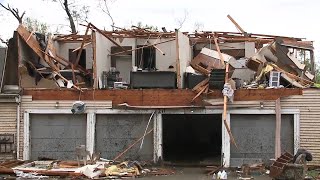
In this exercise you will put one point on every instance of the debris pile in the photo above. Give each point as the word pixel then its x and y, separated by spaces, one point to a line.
pixel 100 168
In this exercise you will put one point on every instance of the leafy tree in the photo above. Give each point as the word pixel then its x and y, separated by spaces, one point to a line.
pixel 146 26
pixel 36 26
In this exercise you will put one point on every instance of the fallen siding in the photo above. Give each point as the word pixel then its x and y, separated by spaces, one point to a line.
pixel 8 124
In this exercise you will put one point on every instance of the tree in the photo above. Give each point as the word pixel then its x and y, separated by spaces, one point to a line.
pixel 15 12
pixel 182 20
pixel 105 7
pixel 146 26
pixel 75 12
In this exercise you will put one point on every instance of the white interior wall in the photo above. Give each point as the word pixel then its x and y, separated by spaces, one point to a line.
pixel 185 53
pixel 162 61
pixel 103 61
pixel 63 51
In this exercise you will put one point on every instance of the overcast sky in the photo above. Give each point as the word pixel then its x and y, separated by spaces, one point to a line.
pixel 297 18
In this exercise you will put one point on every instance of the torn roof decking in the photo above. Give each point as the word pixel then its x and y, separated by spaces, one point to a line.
pixel 156 97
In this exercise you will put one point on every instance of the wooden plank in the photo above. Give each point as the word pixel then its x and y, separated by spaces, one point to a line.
pixel 106 36
pixel 225 99
pixel 218 49
pixel 94 48
pixel 278 129
pixel 155 97
pixel 81 47
pixel 30 40
pixel 236 24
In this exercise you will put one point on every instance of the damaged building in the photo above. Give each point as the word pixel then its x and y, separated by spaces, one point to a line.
pixel 107 89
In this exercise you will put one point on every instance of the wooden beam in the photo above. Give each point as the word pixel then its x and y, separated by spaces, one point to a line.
pixel 30 40
pixel 85 45
pixel 106 36
pixel 218 49
pixel 156 97
pixel 278 130
pixel 81 47
pixel 225 99
pixel 94 56
pixel 236 24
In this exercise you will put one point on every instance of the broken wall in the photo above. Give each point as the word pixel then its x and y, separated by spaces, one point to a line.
pixel 10 77
pixel 238 49
pixel 26 80
pixel 184 55
pixel 62 49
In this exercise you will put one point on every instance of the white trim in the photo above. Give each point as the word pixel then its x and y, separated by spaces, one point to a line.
pixel 91 123
pixel 296 132
pixel 157 137
pixel 26 139
pixel 18 129
pixel 225 154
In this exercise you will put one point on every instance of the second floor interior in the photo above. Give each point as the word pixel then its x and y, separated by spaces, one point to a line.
pixel 143 59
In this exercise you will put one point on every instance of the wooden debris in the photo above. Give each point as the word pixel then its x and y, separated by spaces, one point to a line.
pixel 236 24
pixel 82 45
pixel 225 100
pixel 106 36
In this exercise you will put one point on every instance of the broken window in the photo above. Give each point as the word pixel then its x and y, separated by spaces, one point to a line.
pixel 73 57
pixel 146 58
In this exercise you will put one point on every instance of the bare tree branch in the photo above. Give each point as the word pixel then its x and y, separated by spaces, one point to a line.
pixel 181 21
pixel 15 12
pixel 106 10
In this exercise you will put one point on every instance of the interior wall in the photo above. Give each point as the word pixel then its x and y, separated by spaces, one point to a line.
pixel 27 81
pixel 103 61
pixel 163 61
pixel 255 137
pixel 63 51
pixel 185 53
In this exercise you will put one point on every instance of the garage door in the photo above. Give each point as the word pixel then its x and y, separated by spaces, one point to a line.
pixel 56 136
pixel 116 132
pixel 255 137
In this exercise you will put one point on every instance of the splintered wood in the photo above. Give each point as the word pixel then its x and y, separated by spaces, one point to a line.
pixel 47 55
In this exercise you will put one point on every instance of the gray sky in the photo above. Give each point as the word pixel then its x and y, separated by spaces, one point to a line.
pixel 297 18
